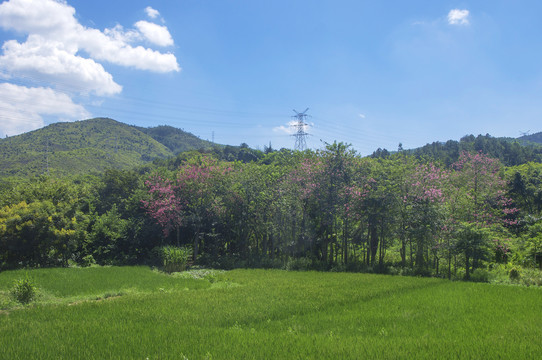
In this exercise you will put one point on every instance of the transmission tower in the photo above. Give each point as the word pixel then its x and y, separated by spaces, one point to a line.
pixel 300 126
pixel 525 133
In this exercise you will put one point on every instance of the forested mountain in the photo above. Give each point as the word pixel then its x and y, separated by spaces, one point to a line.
pixel 533 138
pixel 509 151
pixel 176 140
pixel 90 146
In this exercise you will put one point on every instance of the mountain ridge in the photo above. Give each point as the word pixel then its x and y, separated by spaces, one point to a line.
pixel 87 146
pixel 93 145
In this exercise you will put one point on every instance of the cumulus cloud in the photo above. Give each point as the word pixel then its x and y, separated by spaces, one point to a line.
pixel 283 129
pixel 22 108
pixel 156 34
pixel 290 128
pixel 53 63
pixel 56 20
pixel 458 17
pixel 152 13
pixel 62 53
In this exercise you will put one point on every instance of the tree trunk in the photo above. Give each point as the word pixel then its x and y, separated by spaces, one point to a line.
pixel 373 243
pixel 467 266
pixel 402 251
pixel 345 241
pixel 178 235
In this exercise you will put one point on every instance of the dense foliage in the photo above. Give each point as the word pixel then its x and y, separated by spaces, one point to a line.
pixel 329 209
pixel 509 151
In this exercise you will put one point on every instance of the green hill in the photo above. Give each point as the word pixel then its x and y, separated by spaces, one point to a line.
pixel 90 146
pixel 509 151
pixel 176 140
pixel 535 138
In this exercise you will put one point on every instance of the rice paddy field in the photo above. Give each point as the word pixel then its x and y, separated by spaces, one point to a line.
pixel 137 313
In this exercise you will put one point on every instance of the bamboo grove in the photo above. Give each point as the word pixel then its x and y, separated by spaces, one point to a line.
pixel 326 209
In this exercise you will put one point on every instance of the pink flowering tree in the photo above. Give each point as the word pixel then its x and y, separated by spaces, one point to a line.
pixel 371 206
pixel 165 204
pixel 191 200
pixel 314 203
pixel 295 206
pixel 481 209
pixel 425 202
pixel 334 174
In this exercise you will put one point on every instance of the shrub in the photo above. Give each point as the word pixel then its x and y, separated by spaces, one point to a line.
pixel 298 264
pixel 531 277
pixel 514 274
pixel 87 261
pixel 480 275
pixel 24 290
pixel 356 266
pixel 171 258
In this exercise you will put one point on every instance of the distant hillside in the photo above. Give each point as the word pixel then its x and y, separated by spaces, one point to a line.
pixel 89 146
pixel 176 140
pixel 509 150
pixel 533 138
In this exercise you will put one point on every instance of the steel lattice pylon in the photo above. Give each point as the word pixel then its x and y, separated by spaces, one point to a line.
pixel 300 133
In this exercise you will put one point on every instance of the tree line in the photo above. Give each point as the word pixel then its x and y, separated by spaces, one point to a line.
pixel 325 209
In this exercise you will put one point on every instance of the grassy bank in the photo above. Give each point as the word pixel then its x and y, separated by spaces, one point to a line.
pixel 136 313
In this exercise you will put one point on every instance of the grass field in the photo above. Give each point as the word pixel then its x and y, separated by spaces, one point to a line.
pixel 136 313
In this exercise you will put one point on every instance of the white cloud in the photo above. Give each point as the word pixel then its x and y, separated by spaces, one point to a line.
pixel 114 50
pixel 156 34
pixel 60 53
pixel 45 16
pixel 54 64
pixel 283 129
pixel 458 17
pixel 22 108
pixel 152 13
pixel 118 33
pixel 291 128
pixel 362 116
pixel 55 20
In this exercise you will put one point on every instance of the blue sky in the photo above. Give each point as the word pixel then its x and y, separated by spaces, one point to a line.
pixel 372 74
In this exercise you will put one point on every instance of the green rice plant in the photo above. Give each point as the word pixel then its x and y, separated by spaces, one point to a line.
pixel 210 275
pixel 172 258
pixel 275 314
pixel 66 285
pixel 24 290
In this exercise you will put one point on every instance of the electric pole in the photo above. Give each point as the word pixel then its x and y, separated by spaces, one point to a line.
pixel 300 134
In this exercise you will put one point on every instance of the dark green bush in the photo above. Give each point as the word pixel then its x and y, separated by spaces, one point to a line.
pixel 480 275
pixel 514 274
pixel 87 261
pixel 299 264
